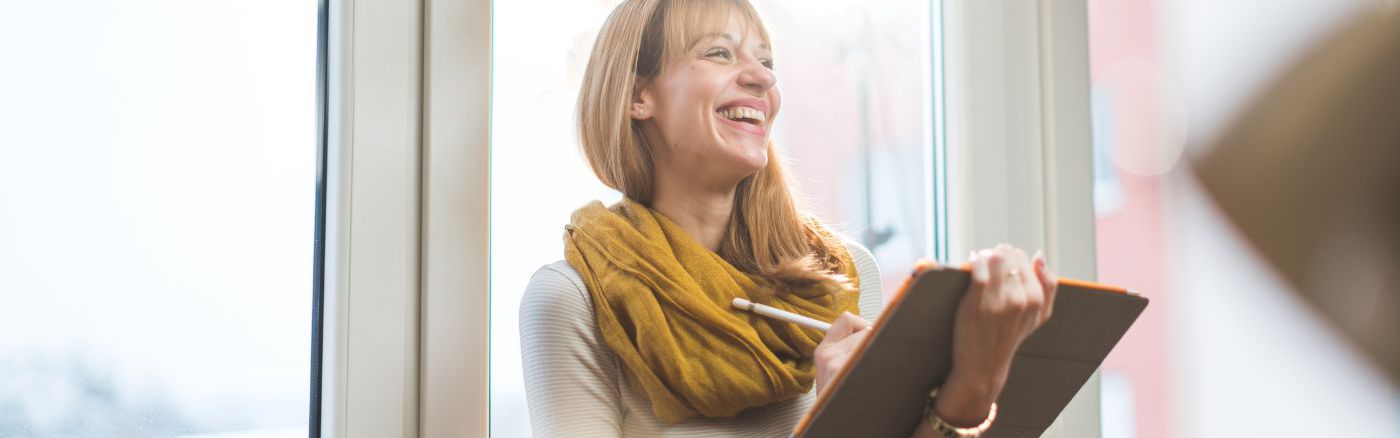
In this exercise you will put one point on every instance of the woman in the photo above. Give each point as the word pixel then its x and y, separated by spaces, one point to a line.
pixel 633 333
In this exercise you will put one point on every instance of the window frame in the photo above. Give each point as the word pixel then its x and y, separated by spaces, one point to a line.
pixel 369 380
pixel 456 310
pixel 1019 146
pixel 318 263
pixel 406 309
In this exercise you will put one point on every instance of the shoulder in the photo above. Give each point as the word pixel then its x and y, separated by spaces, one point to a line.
pixel 859 253
pixel 872 296
pixel 864 260
pixel 555 289
pixel 556 312
pixel 554 275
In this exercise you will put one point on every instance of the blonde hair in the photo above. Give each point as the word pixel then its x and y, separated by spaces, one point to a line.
pixel 768 234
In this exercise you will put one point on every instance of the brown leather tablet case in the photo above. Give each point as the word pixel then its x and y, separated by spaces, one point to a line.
pixel 881 391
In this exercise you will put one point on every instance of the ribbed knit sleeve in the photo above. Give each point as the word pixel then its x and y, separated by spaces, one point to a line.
pixel 571 377
pixel 872 300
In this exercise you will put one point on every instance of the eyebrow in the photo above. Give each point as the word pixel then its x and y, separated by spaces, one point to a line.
pixel 726 36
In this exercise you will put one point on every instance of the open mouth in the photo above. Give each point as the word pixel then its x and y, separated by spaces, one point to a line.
pixel 743 114
pixel 743 118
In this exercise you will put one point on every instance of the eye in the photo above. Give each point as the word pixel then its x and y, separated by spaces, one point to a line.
pixel 719 52
pixel 767 63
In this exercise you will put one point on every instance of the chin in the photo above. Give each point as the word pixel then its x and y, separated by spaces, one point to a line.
pixel 747 158
pixel 751 165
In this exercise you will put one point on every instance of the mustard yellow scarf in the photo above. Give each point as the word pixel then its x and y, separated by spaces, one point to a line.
pixel 662 303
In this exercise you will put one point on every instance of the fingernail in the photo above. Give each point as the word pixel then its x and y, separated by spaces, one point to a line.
pixel 979 270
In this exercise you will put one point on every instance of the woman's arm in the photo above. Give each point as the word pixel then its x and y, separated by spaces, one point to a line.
pixel 571 378
pixel 1010 296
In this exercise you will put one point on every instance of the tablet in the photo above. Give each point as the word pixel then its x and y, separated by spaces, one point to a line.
pixel 882 389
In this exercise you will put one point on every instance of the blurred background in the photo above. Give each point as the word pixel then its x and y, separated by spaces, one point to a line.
pixel 1225 349
pixel 157 193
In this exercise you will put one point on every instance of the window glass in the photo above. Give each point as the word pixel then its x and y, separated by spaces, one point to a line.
pixel 157 189
pixel 856 125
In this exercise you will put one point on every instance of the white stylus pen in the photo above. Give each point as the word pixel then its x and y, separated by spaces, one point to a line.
pixel 781 315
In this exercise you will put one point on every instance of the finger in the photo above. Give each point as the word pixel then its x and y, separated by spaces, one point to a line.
pixel 841 352
pixel 849 345
pixel 1047 278
pixel 981 276
pixel 996 272
pixel 1027 290
pixel 1048 281
pixel 840 328
pixel 1019 260
pixel 845 324
pixel 1030 288
pixel 854 321
pixel 837 355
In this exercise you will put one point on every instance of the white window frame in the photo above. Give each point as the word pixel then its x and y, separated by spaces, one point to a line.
pixel 1018 143
pixel 408 185
pixel 456 183
pixel 370 380
pixel 405 306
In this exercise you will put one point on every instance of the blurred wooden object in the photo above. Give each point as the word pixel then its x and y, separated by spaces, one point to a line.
pixel 1310 173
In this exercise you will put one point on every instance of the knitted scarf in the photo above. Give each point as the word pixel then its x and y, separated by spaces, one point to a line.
pixel 662 304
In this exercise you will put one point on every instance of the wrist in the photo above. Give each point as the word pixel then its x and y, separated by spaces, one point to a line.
pixel 941 426
pixel 965 399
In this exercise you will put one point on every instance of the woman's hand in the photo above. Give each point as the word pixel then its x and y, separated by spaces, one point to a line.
pixel 1010 296
pixel 846 333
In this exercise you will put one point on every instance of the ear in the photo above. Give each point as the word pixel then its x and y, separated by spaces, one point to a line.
pixel 642 106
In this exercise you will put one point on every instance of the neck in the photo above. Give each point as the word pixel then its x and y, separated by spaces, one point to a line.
pixel 704 214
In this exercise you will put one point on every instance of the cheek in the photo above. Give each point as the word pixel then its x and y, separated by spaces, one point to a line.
pixel 777 103
pixel 688 103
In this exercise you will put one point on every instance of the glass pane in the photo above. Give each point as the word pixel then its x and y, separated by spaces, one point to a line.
pixel 157 170
pixel 857 126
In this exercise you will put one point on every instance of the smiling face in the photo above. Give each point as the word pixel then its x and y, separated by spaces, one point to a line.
pixel 708 114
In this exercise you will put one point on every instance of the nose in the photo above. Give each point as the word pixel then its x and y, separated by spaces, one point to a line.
pixel 757 77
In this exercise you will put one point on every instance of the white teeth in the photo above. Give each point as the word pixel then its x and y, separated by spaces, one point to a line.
pixel 741 112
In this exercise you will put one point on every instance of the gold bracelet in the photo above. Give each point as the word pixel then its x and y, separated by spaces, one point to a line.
pixel 950 431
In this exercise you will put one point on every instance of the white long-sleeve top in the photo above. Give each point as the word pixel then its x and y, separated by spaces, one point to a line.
pixel 576 387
